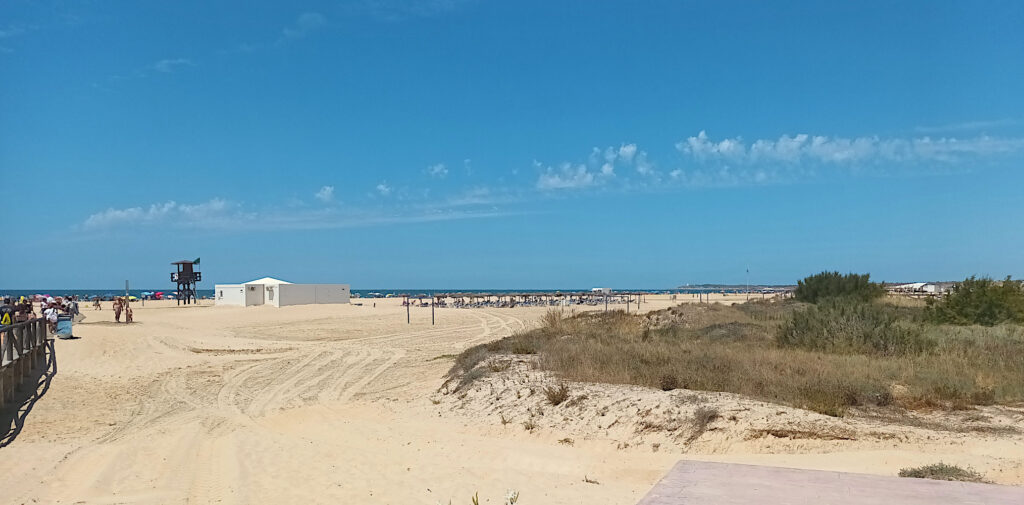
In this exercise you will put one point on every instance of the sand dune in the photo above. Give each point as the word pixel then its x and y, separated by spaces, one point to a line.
pixel 339 404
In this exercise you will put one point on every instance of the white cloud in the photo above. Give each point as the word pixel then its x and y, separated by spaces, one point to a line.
pixel 566 176
pixel 384 189
pixel 169 212
pixel 627 152
pixel 805 148
pixel 326 194
pixel 479 195
pixel 306 23
pixel 169 65
pixel 218 214
pixel 600 168
pixel 643 167
pixel 437 170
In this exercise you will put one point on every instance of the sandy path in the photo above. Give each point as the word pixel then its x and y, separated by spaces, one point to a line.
pixel 315 404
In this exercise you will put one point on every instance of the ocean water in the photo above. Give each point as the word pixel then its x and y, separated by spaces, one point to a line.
pixel 363 293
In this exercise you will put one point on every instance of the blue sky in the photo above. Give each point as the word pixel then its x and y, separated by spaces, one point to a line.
pixel 484 144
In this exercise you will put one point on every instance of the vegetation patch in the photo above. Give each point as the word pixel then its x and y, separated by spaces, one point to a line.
pixel 556 394
pixel 829 434
pixel 827 357
pixel 845 325
pixel 826 285
pixel 942 471
pixel 702 418
pixel 980 301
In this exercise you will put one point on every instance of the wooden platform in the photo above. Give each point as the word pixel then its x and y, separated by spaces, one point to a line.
pixel 703 483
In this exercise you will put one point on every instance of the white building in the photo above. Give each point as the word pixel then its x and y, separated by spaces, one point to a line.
pixel 271 291
pixel 914 287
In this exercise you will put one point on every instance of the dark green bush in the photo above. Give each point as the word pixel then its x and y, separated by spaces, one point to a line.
pixel 850 326
pixel 827 285
pixel 980 301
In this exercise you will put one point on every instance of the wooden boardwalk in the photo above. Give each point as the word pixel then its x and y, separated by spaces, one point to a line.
pixel 22 350
pixel 703 483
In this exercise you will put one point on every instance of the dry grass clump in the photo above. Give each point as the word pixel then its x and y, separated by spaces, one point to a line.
pixel 959 366
pixel 556 394
pixel 499 365
pixel 830 433
pixel 668 382
pixel 849 326
pixel 942 471
pixel 702 418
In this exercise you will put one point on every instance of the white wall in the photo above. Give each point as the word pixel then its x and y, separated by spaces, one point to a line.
pixel 253 294
pixel 229 294
pixel 332 293
pixel 304 294
pixel 296 294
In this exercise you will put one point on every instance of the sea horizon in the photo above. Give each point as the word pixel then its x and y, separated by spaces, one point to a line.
pixel 208 292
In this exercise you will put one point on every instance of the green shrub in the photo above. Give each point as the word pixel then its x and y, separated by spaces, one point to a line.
pixel 980 301
pixel 826 285
pixel 847 326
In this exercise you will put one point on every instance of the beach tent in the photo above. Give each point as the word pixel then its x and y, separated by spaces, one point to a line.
pixel 279 293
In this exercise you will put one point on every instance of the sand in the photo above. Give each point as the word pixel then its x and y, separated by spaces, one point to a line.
pixel 341 404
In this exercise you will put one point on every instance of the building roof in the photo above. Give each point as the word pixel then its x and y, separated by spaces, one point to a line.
pixel 267 280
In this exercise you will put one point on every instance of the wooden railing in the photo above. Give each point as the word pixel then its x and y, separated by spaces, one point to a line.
pixel 22 349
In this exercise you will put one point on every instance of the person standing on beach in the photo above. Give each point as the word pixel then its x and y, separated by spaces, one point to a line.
pixel 50 314
pixel 117 310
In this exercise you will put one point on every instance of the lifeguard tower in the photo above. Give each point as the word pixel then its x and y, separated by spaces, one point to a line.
pixel 186 277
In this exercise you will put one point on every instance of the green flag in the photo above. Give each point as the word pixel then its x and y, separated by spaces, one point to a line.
pixel 196 261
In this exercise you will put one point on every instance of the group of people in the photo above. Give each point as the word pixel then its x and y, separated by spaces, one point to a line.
pixel 121 305
pixel 52 307
pixel 17 311
pixel 22 310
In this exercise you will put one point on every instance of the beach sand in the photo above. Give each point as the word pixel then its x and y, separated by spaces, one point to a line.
pixel 340 404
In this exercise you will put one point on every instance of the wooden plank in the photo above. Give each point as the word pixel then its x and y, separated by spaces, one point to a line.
pixel 705 483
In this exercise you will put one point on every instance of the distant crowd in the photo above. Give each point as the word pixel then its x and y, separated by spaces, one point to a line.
pixel 51 308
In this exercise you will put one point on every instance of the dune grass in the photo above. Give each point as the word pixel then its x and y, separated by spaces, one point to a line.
pixel 742 349
pixel 942 471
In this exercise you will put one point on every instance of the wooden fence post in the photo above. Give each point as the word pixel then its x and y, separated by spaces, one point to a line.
pixel 6 335
pixel 18 367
